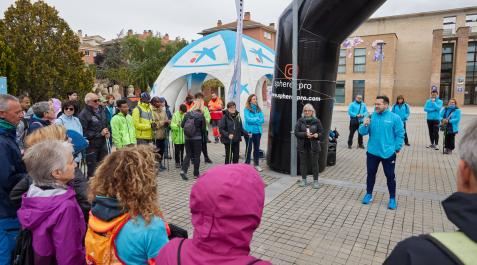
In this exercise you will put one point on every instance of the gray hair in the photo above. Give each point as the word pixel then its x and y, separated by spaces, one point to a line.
pixel 45 157
pixel 308 107
pixel 89 96
pixel 40 108
pixel 4 99
pixel 467 146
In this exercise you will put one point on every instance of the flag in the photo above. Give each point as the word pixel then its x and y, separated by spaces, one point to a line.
pixel 235 85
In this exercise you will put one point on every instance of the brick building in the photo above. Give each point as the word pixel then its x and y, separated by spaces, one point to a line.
pixel 256 30
pixel 421 50
pixel 90 46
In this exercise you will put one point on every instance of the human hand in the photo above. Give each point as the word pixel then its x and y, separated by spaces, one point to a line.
pixel 359 116
pixel 231 136
pixel 316 135
pixel 367 122
pixel 104 131
pixel 107 135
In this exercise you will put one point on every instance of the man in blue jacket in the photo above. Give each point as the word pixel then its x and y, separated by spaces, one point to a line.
pixel 357 111
pixel 12 170
pixel 433 107
pixel 386 136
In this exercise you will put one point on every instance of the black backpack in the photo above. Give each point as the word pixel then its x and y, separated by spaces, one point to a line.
pixel 189 127
pixel 23 253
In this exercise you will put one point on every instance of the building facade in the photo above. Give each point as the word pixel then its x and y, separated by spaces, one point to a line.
pixel 421 51
pixel 256 30
pixel 90 47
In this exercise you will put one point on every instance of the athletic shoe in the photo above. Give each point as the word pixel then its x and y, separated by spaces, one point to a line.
pixel 302 183
pixel 183 175
pixel 208 161
pixel 430 146
pixel 361 146
pixel 178 165
pixel 407 144
pixel 349 146
pixel 436 147
pixel 367 199
pixel 315 184
pixel 392 204
pixel 258 168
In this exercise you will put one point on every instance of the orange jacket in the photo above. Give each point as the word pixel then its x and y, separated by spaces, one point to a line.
pixel 215 108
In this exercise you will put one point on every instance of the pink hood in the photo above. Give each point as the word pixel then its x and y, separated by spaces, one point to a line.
pixel 226 205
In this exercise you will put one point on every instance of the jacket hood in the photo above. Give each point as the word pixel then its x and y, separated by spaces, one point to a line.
pixel 38 205
pixel 226 205
pixel 461 209
pixel 106 208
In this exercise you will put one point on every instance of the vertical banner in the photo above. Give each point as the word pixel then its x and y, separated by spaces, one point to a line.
pixel 235 85
pixel 3 85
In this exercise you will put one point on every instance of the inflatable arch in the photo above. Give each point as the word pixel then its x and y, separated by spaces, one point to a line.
pixel 213 57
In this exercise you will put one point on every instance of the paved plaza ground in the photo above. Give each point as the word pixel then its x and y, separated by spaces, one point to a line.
pixel 330 225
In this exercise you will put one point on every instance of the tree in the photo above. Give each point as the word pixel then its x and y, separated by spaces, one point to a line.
pixel 45 49
pixel 8 67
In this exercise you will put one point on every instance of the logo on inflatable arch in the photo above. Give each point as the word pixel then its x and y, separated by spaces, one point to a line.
pixel 289 71
pixel 209 52
pixel 260 56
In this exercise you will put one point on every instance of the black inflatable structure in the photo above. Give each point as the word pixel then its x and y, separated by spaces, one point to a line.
pixel 323 25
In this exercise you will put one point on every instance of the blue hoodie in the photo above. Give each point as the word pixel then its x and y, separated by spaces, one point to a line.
pixel 354 110
pixel 386 134
pixel 71 123
pixel 253 120
pixel 433 109
pixel 454 117
pixel 402 110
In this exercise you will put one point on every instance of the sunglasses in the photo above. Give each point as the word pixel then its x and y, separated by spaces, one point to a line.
pixel 95 100
pixel 70 109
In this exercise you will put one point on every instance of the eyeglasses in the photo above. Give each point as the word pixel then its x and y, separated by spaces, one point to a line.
pixel 70 109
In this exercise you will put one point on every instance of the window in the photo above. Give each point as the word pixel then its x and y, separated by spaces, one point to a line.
pixel 470 96
pixel 449 25
pixel 340 92
pixel 86 52
pixel 447 63
pixel 267 35
pixel 359 60
pixel 471 21
pixel 358 88
pixel 342 62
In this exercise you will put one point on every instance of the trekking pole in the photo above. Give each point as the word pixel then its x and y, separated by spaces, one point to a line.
pixel 247 146
pixel 444 140
pixel 108 145
pixel 230 152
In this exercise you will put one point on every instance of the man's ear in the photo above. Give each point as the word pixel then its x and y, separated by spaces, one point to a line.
pixel 465 174
pixel 56 173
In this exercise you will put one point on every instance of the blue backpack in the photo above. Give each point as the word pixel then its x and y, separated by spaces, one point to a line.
pixel 78 141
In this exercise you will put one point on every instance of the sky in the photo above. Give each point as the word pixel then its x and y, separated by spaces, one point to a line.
pixel 185 18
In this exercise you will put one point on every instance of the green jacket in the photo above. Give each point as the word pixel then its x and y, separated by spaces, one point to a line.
pixel 123 130
pixel 206 112
pixel 177 130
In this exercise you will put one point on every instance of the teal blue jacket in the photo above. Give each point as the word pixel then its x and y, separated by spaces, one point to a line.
pixel 402 110
pixel 433 109
pixel 454 117
pixel 253 120
pixel 354 110
pixel 386 134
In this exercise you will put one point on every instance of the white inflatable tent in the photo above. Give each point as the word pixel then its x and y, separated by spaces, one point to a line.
pixel 213 57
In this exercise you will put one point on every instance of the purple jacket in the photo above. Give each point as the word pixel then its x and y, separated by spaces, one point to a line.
pixel 226 204
pixel 57 225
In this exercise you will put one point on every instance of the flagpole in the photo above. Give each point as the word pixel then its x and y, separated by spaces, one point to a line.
pixel 293 142
pixel 235 84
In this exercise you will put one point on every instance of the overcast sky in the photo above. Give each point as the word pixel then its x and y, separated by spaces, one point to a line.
pixel 187 17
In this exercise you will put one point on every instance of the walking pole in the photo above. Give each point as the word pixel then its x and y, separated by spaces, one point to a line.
pixel 230 152
pixel 444 140
pixel 247 146
pixel 108 146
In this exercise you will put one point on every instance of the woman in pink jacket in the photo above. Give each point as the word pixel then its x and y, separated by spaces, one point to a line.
pixel 226 204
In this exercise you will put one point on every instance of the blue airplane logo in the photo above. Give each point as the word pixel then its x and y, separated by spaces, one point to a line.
pixel 206 51
pixel 260 55
pixel 243 88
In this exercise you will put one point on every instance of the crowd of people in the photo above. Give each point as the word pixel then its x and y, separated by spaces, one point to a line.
pixel 120 148
pixel 112 214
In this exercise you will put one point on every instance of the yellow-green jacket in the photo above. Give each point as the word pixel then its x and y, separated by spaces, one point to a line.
pixel 142 117
pixel 123 130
